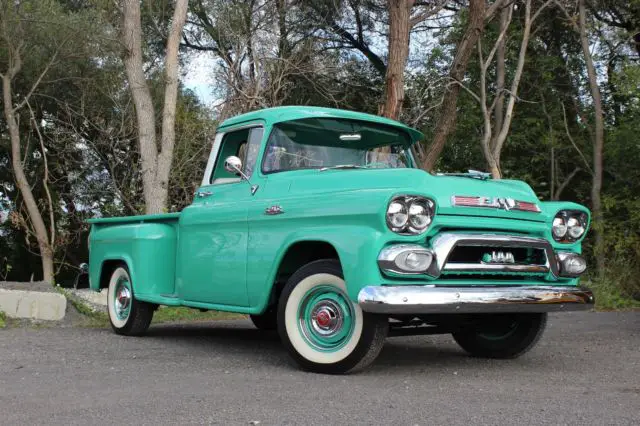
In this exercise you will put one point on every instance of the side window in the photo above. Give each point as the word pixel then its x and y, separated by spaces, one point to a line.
pixel 252 148
pixel 244 144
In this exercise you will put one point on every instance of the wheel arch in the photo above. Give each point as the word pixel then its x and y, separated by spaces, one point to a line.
pixel 111 264
pixel 297 254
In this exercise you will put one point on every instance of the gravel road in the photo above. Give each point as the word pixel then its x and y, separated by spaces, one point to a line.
pixel 585 370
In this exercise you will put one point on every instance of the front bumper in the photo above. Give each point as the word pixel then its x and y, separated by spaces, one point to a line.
pixel 430 299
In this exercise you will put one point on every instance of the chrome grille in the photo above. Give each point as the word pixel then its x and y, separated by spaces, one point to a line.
pixel 493 254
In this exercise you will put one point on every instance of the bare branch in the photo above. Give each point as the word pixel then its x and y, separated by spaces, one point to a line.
pixel 564 184
pixel 431 11
pixel 566 128
pixel 35 85
pixel 45 178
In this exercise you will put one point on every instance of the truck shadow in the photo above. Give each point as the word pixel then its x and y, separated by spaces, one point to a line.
pixel 239 338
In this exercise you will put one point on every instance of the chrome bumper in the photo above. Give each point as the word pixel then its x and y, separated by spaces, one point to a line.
pixel 430 299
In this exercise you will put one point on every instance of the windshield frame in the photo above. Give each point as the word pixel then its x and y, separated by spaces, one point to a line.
pixel 411 164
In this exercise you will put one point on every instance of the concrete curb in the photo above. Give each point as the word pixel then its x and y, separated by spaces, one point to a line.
pixel 37 305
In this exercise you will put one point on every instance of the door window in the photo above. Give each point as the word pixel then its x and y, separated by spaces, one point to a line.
pixel 244 144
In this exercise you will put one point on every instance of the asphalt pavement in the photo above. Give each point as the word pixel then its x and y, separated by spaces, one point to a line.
pixel 585 370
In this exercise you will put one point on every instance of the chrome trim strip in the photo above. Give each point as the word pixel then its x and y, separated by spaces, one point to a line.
pixel 430 299
pixel 495 267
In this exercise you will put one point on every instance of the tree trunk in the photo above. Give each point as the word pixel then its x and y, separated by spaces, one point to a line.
pixel 145 114
pixel 506 119
pixel 156 165
pixel 283 32
pixel 46 252
pixel 165 158
pixel 399 27
pixel 505 18
pixel 598 143
pixel 447 118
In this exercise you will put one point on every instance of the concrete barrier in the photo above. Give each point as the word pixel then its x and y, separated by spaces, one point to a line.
pixel 38 305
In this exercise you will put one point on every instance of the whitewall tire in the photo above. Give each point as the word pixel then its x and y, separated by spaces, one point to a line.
pixel 321 327
pixel 127 315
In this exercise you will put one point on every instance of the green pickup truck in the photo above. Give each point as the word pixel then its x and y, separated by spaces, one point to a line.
pixel 318 223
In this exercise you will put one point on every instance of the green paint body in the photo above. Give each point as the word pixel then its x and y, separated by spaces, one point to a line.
pixel 223 252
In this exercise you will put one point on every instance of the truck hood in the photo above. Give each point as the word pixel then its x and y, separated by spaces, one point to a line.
pixel 440 188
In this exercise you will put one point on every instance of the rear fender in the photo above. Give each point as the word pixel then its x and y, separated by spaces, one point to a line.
pixel 147 249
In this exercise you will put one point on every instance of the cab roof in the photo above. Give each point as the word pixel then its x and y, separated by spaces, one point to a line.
pixel 294 112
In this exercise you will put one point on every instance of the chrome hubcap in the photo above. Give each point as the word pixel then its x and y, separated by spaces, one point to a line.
pixel 123 301
pixel 326 318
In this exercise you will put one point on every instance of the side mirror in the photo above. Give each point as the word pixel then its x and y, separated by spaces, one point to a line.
pixel 233 164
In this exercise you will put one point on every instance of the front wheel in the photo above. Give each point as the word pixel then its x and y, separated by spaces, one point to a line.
pixel 266 321
pixel 127 315
pixel 323 330
pixel 502 335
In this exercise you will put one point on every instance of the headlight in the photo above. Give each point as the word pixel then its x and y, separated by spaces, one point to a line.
pixel 397 216
pixel 568 226
pixel 575 228
pixel 410 214
pixel 559 227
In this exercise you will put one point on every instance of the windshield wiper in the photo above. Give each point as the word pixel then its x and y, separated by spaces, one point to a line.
pixel 342 166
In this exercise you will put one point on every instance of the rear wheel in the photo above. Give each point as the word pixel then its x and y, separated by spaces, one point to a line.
pixel 502 335
pixel 127 315
pixel 323 330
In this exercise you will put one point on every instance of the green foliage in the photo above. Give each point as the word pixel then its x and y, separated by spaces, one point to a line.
pixel 3 318
pixel 608 295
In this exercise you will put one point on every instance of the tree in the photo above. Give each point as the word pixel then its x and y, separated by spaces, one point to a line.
pixel 156 158
pixel 447 115
pixel 401 22
pixel 495 134
pixel 598 135
pixel 14 20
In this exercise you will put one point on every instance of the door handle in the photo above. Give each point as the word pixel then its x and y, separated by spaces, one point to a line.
pixel 203 194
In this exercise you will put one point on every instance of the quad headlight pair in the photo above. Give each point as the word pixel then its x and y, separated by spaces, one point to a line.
pixel 410 214
pixel 568 226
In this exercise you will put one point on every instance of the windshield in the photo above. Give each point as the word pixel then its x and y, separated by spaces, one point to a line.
pixel 321 143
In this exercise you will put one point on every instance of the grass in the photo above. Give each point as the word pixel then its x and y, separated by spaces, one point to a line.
pixel 3 318
pixel 609 298
pixel 174 314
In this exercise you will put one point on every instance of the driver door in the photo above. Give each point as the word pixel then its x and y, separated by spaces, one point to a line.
pixel 214 231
